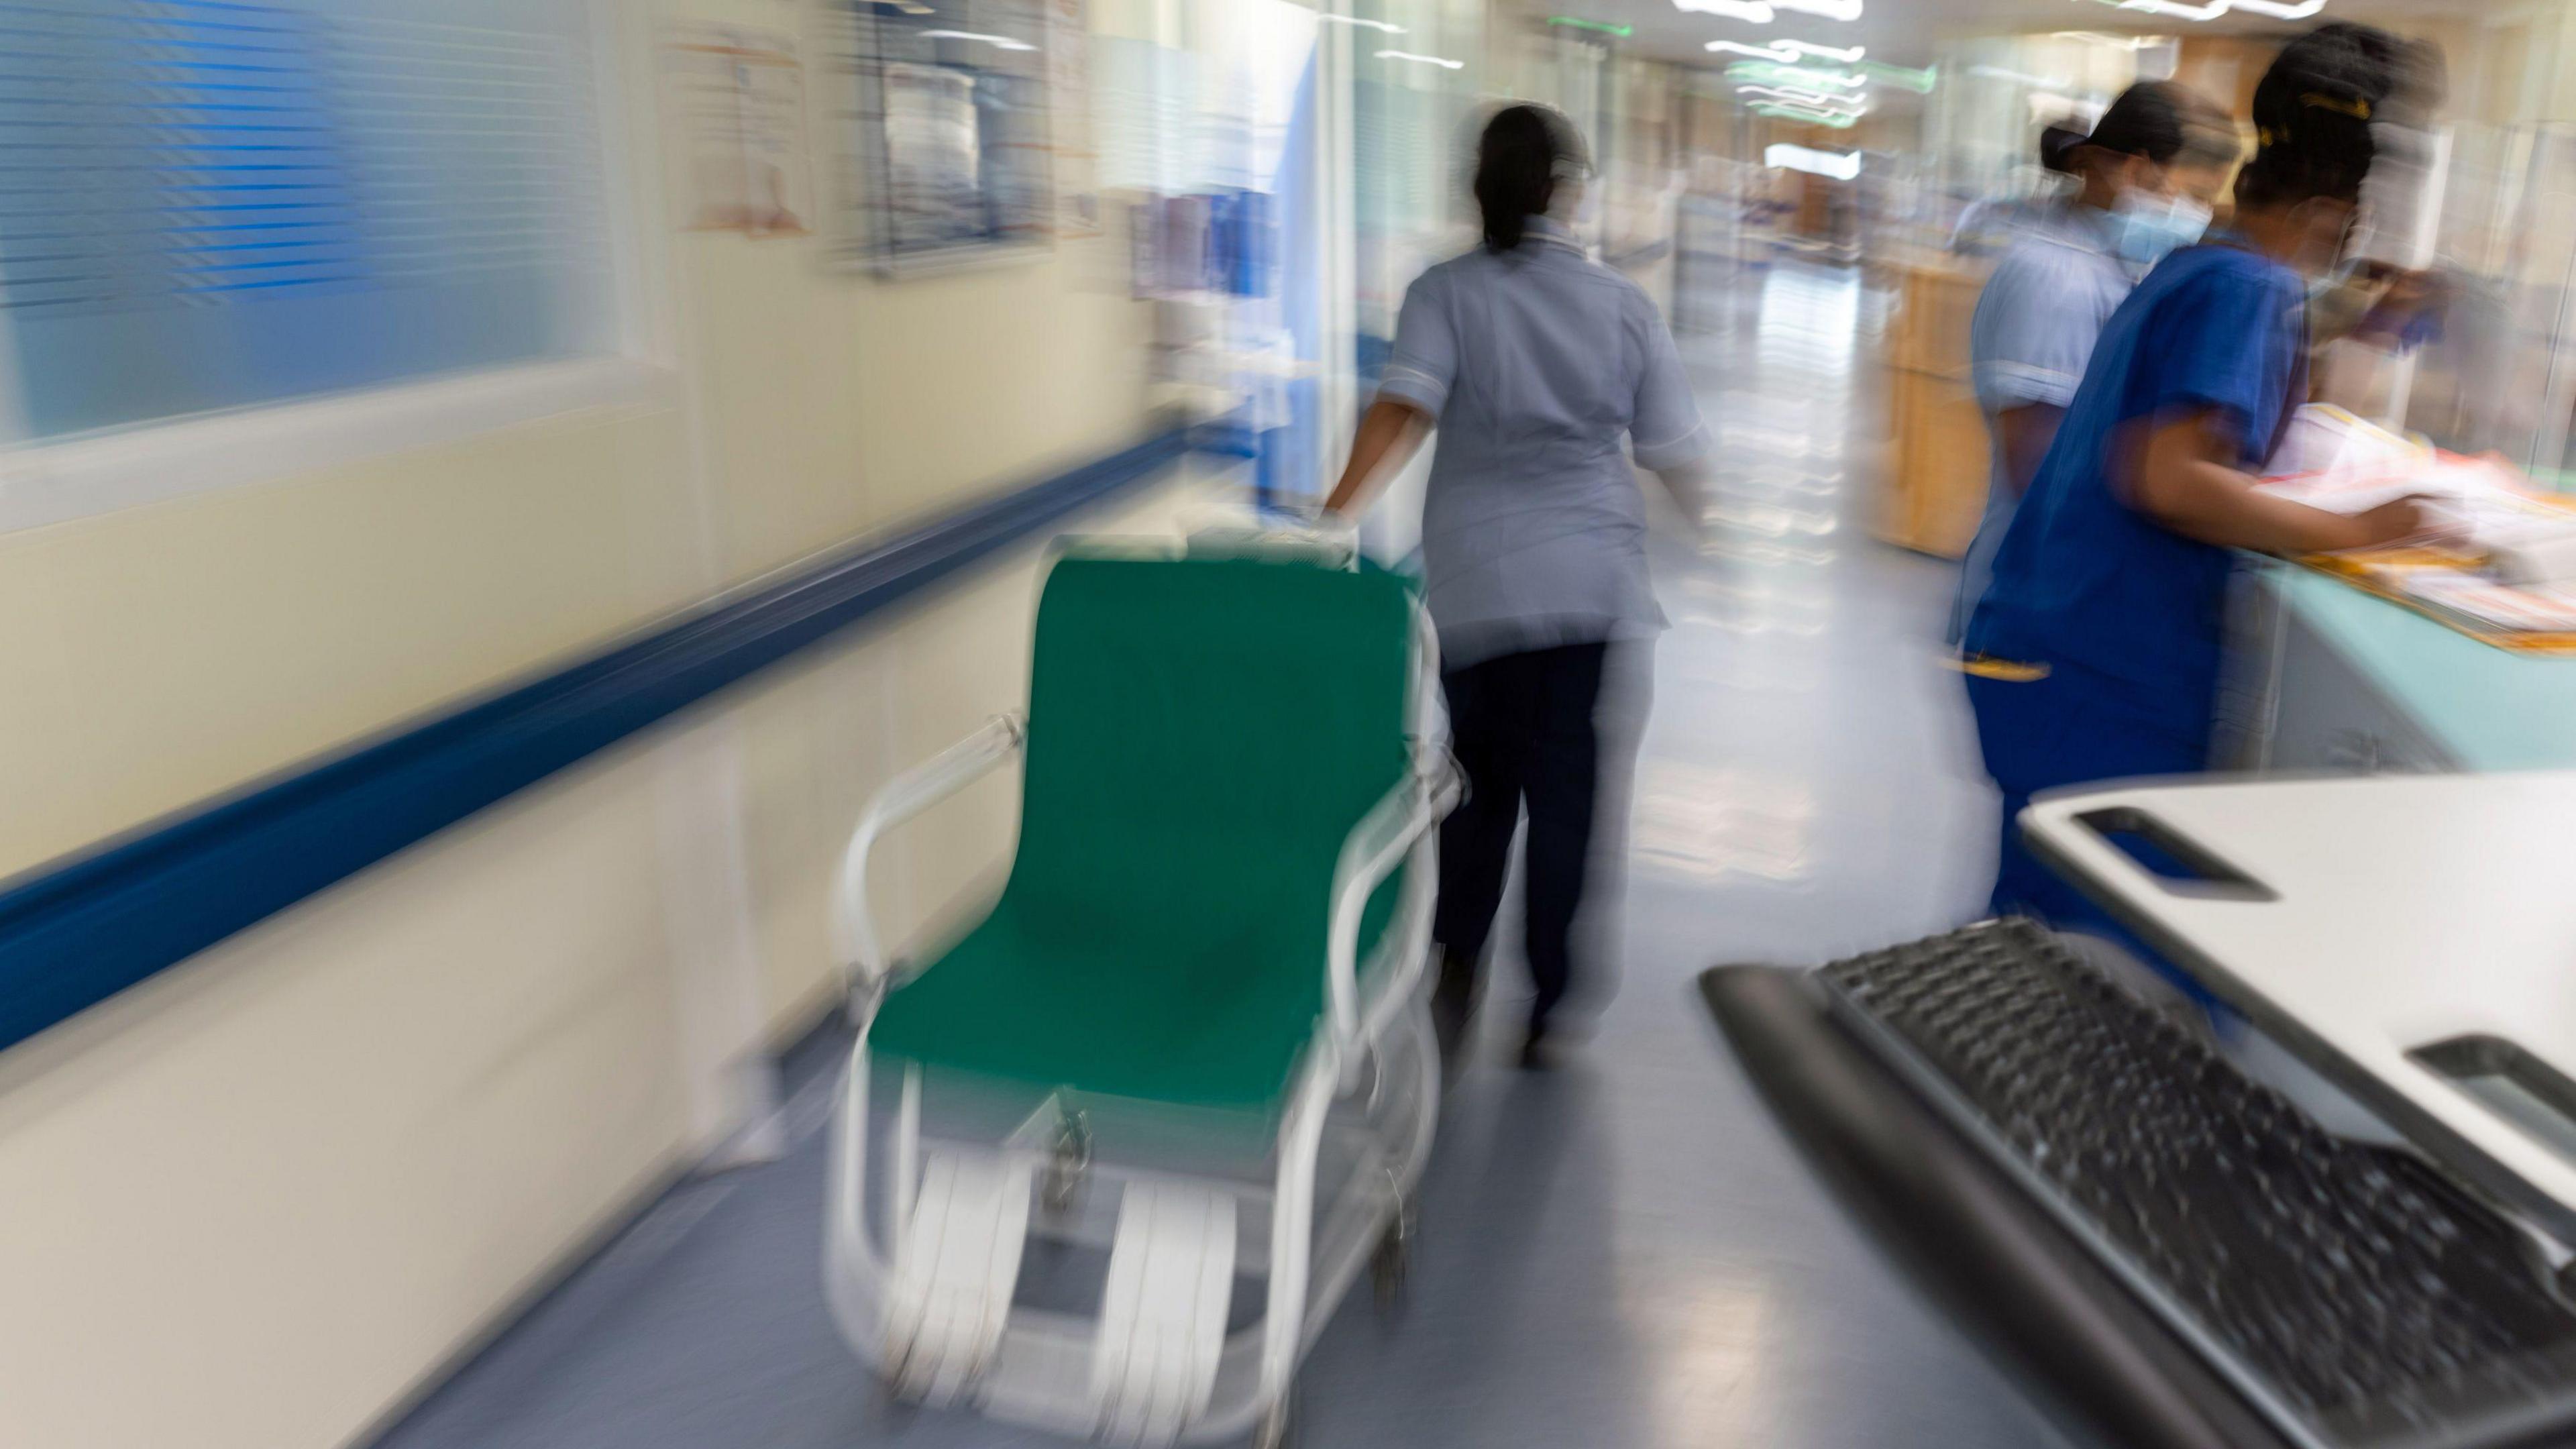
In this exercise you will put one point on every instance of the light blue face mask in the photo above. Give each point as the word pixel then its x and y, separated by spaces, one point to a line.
pixel 2147 228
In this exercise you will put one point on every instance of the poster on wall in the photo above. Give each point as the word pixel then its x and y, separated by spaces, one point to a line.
pixel 935 184
pixel 737 97
pixel 942 129
pixel 1069 85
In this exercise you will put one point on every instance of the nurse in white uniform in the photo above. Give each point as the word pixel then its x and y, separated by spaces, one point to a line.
pixel 2146 173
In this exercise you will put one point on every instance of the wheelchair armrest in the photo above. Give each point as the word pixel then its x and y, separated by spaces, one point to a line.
pixel 1372 851
pixel 903 797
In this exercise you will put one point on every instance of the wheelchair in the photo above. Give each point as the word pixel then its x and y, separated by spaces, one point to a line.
pixel 1195 1019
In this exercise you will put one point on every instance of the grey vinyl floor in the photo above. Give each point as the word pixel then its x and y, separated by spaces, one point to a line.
pixel 1625 1252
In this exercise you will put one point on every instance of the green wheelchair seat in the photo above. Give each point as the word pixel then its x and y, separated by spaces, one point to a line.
pixel 1203 735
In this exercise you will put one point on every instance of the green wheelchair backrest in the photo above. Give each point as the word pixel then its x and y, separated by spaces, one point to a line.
pixel 1203 735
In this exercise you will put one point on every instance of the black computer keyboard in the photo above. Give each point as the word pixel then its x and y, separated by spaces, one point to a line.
pixel 2353 1294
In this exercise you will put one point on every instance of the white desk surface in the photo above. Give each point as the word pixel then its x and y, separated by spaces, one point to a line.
pixel 2410 910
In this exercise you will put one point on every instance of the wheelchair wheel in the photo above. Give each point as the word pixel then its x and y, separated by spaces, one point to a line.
pixel 1279 1426
pixel 1391 1264
pixel 1388 1268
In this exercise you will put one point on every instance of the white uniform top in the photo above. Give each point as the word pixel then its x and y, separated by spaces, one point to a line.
pixel 1539 363
pixel 2033 333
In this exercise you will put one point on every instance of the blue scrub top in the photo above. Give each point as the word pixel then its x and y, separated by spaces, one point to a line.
pixel 2088 586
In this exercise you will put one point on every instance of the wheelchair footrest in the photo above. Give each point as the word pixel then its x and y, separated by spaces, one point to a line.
pixel 954 1272
pixel 1162 1318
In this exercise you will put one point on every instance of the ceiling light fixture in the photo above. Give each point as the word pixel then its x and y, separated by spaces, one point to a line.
pixel 1830 9
pixel 2214 9
pixel 1755 12
pixel 1363 24
pixel 998 42
pixel 1441 61
pixel 1837 120
pixel 1812 99
pixel 1806 77
pixel 2175 9
pixel 1840 165
pixel 1822 52
pixel 2116 42
pixel 1996 72
pixel 1920 82
pixel 1758 52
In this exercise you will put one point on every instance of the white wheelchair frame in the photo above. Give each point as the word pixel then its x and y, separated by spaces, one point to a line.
pixel 929 1304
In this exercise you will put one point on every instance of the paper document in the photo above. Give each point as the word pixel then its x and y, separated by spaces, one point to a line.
pixel 2523 537
pixel 2487 604
pixel 2460 487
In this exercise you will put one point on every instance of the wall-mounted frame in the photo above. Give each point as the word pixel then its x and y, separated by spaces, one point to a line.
pixel 946 134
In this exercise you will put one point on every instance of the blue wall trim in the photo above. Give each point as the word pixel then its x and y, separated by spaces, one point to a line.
pixel 78 931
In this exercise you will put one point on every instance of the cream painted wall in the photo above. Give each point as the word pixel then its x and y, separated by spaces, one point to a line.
pixel 160 654
pixel 246 1205
pixel 252 1204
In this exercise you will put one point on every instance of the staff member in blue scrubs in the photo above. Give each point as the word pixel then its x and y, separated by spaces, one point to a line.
pixel 2094 654
pixel 2147 174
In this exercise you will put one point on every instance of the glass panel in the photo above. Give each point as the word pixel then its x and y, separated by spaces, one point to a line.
pixel 2499 374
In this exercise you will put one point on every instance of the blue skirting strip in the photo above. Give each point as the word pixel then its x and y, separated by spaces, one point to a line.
pixel 77 931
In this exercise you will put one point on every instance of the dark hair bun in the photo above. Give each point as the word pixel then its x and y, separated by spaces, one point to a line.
pixel 2057 148
pixel 2313 113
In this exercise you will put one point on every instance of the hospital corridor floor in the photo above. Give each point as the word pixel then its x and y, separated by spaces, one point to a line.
pixel 1622 1254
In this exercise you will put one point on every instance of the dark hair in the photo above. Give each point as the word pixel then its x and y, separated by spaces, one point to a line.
pixel 2152 119
pixel 1524 150
pixel 2057 148
pixel 2313 112
pixel 2159 122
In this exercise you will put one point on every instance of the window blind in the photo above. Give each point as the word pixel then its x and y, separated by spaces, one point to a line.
pixel 208 205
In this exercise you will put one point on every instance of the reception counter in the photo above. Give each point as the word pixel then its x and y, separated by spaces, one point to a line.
pixel 2340 680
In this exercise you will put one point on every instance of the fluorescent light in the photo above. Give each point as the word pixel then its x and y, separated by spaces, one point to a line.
pixel 1790 94
pixel 1365 24
pixel 1830 9
pixel 1577 22
pixel 1439 61
pixel 1756 12
pixel 1759 52
pixel 1813 99
pixel 2116 42
pixel 2299 10
pixel 998 42
pixel 1839 165
pixel 1834 120
pixel 1920 82
pixel 1774 73
pixel 2178 11
pixel 1996 72
pixel 1823 52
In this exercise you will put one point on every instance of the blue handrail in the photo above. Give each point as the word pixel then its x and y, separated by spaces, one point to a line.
pixel 79 930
